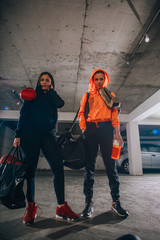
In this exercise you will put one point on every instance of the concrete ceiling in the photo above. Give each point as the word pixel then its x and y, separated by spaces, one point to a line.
pixel 70 38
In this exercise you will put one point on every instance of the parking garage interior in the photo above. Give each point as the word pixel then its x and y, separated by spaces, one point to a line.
pixel 70 39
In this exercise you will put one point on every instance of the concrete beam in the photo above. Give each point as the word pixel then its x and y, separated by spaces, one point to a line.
pixel 11 115
pixel 146 109
pixel 140 114
pixel 150 121
pixel 124 118
pixel 66 116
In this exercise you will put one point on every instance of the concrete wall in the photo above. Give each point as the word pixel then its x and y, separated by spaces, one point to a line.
pixel 42 164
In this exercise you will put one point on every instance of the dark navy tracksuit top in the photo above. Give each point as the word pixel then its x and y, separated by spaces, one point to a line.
pixel 40 114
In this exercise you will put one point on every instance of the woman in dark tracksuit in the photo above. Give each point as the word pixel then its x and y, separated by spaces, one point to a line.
pixel 97 131
pixel 35 131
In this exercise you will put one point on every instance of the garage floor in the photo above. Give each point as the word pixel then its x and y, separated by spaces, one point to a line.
pixel 140 195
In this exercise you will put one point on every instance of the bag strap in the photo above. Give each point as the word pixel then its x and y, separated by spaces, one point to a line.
pixel 74 120
pixel 19 155
pixel 86 111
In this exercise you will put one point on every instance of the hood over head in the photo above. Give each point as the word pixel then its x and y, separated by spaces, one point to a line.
pixel 92 87
pixel 38 86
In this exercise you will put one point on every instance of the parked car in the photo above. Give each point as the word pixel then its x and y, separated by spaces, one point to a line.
pixel 150 157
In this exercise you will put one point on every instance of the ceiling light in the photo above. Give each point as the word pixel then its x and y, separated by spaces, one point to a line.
pixel 146 38
pixel 156 131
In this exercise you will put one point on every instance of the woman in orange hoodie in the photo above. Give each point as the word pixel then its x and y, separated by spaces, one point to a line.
pixel 99 128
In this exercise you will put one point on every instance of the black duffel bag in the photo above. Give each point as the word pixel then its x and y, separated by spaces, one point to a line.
pixel 72 149
pixel 12 175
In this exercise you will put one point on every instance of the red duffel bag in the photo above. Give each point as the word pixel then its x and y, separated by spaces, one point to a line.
pixel 12 176
pixel 9 158
pixel 28 94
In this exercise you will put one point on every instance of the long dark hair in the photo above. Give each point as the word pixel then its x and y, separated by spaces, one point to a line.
pixel 45 73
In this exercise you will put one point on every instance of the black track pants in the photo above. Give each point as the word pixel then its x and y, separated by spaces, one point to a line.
pixel 31 144
pixel 100 136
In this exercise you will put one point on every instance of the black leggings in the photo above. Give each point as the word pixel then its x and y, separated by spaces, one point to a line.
pixel 100 135
pixel 31 143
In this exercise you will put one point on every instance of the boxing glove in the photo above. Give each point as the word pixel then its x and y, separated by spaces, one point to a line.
pixel 28 94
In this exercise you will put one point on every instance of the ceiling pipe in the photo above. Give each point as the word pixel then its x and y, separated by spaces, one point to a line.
pixel 143 37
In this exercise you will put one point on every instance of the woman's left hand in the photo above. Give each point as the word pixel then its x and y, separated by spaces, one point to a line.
pixel 118 137
pixel 120 140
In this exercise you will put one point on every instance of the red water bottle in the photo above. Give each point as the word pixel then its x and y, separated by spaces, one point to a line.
pixel 116 150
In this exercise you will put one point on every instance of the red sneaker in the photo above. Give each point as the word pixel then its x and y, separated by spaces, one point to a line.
pixel 66 212
pixel 31 213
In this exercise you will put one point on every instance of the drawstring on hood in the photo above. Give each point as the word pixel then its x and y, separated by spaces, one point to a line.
pixel 92 87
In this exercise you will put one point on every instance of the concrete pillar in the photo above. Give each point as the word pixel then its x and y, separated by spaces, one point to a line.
pixel 134 151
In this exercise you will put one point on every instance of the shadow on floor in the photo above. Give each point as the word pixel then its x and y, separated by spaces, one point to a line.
pixel 79 225
pixel 60 228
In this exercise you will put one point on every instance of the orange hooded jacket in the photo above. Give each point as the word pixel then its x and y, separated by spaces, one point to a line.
pixel 98 110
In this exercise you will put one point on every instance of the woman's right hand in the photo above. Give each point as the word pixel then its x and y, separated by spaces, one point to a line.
pixel 16 142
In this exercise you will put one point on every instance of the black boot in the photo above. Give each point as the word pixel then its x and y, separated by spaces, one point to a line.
pixel 116 206
pixel 88 210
